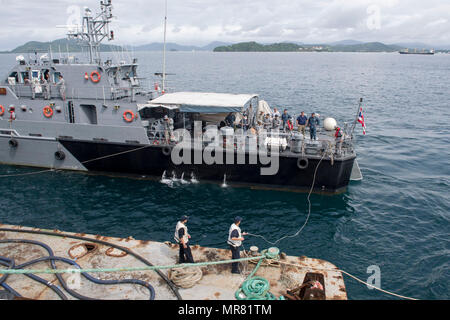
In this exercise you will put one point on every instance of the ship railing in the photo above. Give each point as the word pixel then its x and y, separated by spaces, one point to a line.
pixel 98 93
pixel 286 142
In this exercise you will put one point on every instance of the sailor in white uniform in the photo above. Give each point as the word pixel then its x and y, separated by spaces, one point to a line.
pixel 182 238
pixel 235 241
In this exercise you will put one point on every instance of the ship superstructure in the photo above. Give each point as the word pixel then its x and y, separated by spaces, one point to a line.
pixel 63 113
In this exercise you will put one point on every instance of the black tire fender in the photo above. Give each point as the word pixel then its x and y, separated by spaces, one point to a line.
pixel 302 163
pixel 13 143
pixel 60 155
pixel 166 150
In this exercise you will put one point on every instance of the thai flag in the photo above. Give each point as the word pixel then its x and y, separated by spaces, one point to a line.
pixel 361 120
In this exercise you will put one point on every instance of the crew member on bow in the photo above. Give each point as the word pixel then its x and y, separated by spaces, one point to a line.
pixel 235 238
pixel 182 238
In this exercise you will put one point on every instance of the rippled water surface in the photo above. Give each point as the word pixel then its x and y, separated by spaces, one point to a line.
pixel 397 217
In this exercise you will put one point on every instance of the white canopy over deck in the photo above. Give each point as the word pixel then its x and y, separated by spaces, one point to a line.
pixel 202 102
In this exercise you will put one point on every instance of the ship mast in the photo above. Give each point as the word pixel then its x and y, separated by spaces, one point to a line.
pixel 94 30
pixel 164 52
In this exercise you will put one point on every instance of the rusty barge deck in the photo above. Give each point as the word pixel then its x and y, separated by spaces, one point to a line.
pixel 95 251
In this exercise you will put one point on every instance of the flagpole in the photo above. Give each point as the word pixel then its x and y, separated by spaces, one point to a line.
pixel 357 116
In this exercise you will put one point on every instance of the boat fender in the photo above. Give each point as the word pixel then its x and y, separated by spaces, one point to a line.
pixel 302 163
pixel 60 155
pixel 2 110
pixel 48 112
pixel 128 116
pixel 13 143
pixel 166 151
pixel 95 77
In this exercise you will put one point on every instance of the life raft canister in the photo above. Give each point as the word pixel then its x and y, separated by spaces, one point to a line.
pixel 95 76
pixel 48 112
pixel 128 116
pixel 2 110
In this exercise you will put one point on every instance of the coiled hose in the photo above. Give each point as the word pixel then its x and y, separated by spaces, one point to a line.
pixel 52 258
pixel 172 287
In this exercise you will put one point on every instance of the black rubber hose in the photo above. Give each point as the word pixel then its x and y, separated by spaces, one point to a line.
pixel 38 279
pixel 91 278
pixel 52 258
pixel 128 251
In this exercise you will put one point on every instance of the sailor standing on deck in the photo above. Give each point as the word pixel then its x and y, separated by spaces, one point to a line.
pixel 182 238
pixel 168 128
pixel 313 122
pixel 46 88
pixel 62 87
pixel 235 241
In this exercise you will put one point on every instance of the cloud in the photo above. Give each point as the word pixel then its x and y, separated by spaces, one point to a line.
pixel 202 21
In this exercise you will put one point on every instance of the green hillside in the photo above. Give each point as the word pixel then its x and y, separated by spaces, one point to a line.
pixel 291 47
pixel 56 45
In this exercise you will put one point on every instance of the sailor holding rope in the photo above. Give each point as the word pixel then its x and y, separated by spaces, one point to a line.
pixel 182 238
pixel 235 241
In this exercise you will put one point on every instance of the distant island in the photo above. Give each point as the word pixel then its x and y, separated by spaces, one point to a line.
pixel 292 47
pixel 66 45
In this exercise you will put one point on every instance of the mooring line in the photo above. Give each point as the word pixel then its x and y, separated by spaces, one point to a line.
pixel 26 174
pixel 307 217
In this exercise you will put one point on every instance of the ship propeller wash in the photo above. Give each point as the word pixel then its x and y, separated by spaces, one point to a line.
pixel 100 116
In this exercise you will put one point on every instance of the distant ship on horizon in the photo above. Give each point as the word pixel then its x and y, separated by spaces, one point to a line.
pixel 415 51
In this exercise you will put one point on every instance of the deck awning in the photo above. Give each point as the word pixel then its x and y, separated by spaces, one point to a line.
pixel 202 102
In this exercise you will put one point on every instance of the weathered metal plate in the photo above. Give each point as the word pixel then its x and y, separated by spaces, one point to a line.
pixel 217 282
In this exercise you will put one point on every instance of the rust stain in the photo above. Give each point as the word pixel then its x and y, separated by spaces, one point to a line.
pixel 217 294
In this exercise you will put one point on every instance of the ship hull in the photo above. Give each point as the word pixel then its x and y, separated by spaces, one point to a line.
pixel 155 161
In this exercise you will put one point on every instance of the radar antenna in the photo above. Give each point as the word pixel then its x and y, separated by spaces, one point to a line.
pixel 94 30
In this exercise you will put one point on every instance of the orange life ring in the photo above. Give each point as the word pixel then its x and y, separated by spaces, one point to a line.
pixel 2 110
pixel 48 112
pixel 97 75
pixel 128 116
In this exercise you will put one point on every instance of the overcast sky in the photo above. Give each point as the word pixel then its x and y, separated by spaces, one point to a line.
pixel 199 22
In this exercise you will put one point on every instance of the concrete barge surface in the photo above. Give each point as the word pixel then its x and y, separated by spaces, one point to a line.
pixel 217 282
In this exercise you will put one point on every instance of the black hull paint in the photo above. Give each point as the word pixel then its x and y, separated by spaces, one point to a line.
pixel 151 161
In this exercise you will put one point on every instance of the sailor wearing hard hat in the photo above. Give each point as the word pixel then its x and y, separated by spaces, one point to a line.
pixel 182 238
pixel 235 241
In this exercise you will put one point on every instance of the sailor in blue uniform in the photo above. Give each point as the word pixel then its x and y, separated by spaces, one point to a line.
pixel 313 122
pixel 235 241
pixel 182 238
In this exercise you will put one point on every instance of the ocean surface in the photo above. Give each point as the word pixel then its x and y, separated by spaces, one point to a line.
pixel 397 218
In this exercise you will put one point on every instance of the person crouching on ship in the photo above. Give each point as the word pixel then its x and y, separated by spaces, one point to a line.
pixel 235 241
pixel 182 238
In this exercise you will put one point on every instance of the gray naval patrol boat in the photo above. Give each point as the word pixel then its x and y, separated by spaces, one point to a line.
pixel 98 116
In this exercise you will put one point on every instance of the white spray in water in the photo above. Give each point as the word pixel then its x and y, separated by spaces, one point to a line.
pixel 182 181
pixel 166 181
pixel 224 184
pixel 193 179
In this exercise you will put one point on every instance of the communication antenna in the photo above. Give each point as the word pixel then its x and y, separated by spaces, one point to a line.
pixel 94 30
pixel 164 51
